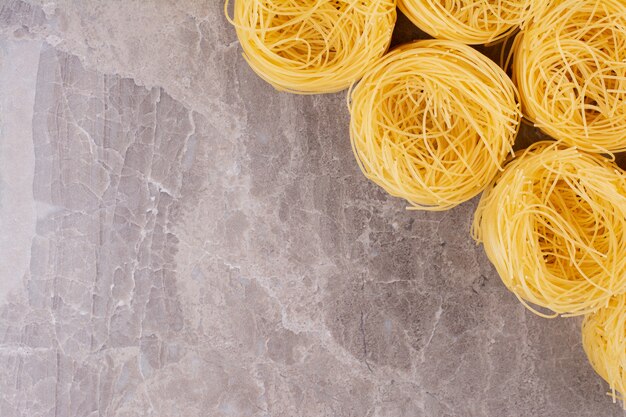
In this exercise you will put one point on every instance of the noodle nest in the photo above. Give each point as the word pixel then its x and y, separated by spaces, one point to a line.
pixel 604 341
pixel 313 46
pixel 433 123
pixel 570 68
pixel 554 226
pixel 468 21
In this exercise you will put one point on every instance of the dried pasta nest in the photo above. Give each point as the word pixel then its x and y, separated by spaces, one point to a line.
pixel 570 68
pixel 432 122
pixel 604 341
pixel 554 226
pixel 313 46
pixel 467 21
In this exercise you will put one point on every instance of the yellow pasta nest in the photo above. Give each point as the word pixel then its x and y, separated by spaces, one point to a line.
pixel 433 122
pixel 570 68
pixel 313 46
pixel 554 226
pixel 604 340
pixel 467 21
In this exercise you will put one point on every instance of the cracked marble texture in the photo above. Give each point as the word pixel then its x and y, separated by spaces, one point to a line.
pixel 178 239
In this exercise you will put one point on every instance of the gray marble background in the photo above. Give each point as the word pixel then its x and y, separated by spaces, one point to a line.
pixel 178 239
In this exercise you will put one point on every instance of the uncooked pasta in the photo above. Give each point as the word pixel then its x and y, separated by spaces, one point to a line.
pixel 313 46
pixel 554 226
pixel 570 68
pixel 432 123
pixel 604 341
pixel 468 21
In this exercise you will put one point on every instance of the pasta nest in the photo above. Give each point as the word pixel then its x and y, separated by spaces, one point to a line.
pixel 570 68
pixel 554 226
pixel 604 341
pixel 313 46
pixel 467 21
pixel 432 122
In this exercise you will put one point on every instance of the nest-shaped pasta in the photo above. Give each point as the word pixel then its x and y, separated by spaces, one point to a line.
pixel 570 68
pixel 313 46
pixel 432 122
pixel 554 226
pixel 604 341
pixel 468 21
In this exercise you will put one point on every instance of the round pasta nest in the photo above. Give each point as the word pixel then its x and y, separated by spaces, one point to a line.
pixel 468 21
pixel 554 226
pixel 432 122
pixel 604 341
pixel 313 46
pixel 570 68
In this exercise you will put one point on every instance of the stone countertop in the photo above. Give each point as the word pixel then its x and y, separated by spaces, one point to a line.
pixel 178 239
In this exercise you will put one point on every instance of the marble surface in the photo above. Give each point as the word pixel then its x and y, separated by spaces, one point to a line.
pixel 178 239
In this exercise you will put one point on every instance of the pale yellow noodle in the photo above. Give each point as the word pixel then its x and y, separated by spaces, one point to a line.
pixel 554 226
pixel 312 46
pixel 432 122
pixel 469 21
pixel 570 68
pixel 604 340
